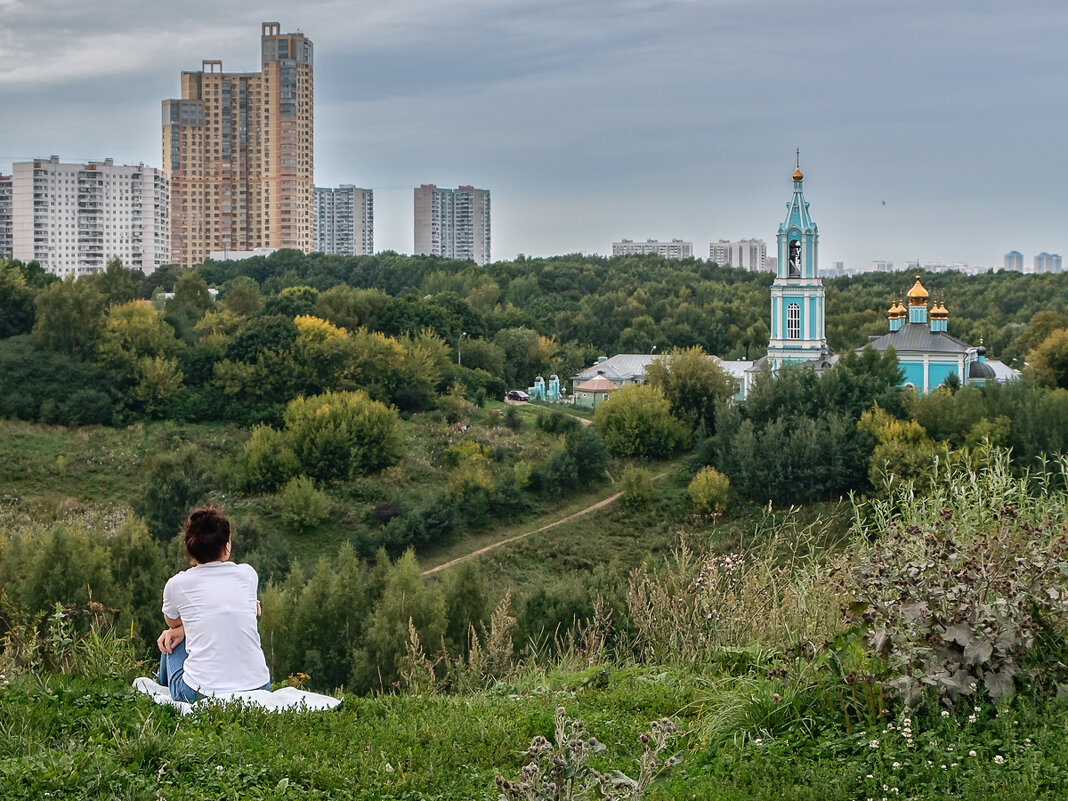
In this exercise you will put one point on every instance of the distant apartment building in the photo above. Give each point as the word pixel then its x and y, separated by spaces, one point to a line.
pixel 1047 263
pixel 1014 261
pixel 344 220
pixel 74 218
pixel 237 147
pixel 675 249
pixel 5 216
pixel 453 223
pixel 749 254
pixel 882 266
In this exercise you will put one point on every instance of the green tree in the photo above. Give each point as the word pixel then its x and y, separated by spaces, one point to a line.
pixel 466 604
pixel 1039 327
pixel 131 331
pixel 693 384
pixel 406 596
pixel 70 317
pixel 136 563
pixel 904 451
pixel 637 484
pixel 708 491
pixel 340 435
pixel 301 506
pixel 174 482
pixel 16 301
pixel 586 448
pixel 527 354
pixel 267 462
pixel 242 296
pixel 116 283
pixel 1049 360
pixel 637 421
pixel 66 565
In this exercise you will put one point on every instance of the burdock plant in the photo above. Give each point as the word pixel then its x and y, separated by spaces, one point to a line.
pixel 560 771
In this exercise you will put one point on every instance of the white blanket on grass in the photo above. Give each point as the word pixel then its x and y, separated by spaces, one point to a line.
pixel 287 699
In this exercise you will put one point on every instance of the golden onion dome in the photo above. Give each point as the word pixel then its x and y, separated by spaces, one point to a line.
pixel 917 295
pixel 939 311
pixel 798 175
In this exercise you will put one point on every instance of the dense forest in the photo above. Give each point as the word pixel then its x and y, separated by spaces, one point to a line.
pixel 833 554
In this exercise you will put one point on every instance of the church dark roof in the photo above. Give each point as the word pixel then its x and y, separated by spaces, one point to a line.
pixel 919 338
pixel 981 370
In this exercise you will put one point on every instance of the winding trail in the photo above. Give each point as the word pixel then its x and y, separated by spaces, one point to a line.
pixel 593 507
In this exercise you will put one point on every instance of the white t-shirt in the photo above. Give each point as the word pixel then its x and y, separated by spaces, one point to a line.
pixel 217 604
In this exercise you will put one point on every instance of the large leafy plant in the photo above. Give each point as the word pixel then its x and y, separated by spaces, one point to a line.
pixel 955 598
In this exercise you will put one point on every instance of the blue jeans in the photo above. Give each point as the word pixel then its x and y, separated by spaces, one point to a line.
pixel 172 675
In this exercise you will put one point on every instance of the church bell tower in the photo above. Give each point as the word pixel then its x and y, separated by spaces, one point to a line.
pixel 797 295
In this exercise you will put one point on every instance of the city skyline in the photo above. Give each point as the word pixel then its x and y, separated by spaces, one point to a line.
pixel 916 123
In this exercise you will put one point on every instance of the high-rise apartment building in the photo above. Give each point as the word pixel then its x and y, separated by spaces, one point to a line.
pixel 453 223
pixel 5 216
pixel 74 218
pixel 344 220
pixel 749 254
pixel 238 149
pixel 1014 261
pixel 1047 263
pixel 675 249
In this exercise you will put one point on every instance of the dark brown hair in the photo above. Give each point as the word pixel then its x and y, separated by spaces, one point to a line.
pixel 206 534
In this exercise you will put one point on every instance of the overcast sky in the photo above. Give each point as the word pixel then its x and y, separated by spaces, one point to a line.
pixel 930 130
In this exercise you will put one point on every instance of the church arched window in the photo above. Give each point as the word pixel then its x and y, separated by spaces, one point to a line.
pixel 793 321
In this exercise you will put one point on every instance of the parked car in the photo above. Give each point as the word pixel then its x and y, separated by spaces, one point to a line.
pixel 517 395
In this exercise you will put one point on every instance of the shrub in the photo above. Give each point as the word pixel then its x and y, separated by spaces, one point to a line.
pixel 637 483
pixel 267 462
pixel 708 491
pixel 174 483
pixel 556 422
pixel 636 421
pixel 302 506
pixel 584 445
pixel 340 435
pixel 956 596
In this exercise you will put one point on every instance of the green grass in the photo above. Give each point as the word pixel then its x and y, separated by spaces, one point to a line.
pixel 75 738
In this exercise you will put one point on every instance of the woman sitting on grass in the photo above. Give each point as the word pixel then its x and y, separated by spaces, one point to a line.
pixel 211 644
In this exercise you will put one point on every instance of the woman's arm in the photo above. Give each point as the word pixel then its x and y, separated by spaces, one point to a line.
pixel 172 635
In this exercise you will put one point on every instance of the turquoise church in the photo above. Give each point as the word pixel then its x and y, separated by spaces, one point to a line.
pixel 927 353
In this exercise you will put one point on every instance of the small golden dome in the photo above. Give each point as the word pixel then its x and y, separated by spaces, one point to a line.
pixel 939 311
pixel 798 175
pixel 917 295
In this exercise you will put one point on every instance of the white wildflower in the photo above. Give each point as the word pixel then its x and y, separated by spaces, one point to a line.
pixel 999 759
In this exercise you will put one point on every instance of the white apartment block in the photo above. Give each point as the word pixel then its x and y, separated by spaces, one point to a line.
pixel 5 216
pixel 748 254
pixel 1047 263
pixel 74 218
pixel 344 220
pixel 453 223
pixel 675 249
pixel 882 266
